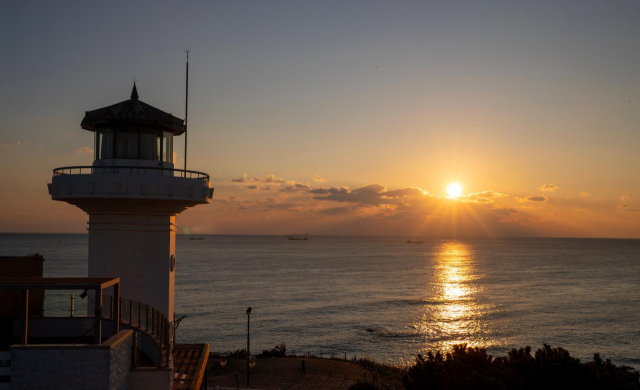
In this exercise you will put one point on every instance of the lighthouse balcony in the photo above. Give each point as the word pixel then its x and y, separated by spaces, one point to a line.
pixel 130 182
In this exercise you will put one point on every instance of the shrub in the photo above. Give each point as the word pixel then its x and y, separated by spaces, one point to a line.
pixel 547 368
pixel 277 351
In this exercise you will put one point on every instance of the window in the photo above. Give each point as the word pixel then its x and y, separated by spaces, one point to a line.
pixel 149 146
pixel 105 144
pixel 167 147
pixel 127 144
pixel 158 156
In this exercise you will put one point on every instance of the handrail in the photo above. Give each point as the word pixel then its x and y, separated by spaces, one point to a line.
pixel 88 170
pixel 147 319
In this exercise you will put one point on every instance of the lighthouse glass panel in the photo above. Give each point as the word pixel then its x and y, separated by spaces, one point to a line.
pixel 149 146
pixel 105 144
pixel 127 144
pixel 158 155
pixel 167 147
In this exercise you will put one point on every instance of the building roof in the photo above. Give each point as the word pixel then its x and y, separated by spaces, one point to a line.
pixel 34 283
pixel 189 365
pixel 132 112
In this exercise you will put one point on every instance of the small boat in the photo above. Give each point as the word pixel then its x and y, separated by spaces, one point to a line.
pixel 298 237
pixel 196 238
pixel 414 242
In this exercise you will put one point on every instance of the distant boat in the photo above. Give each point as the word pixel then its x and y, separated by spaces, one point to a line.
pixel 414 242
pixel 197 238
pixel 298 237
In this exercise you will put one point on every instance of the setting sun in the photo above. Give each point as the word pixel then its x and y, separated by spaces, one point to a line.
pixel 454 190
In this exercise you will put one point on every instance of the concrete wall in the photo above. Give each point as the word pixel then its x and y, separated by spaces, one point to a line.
pixel 120 362
pixel 101 367
pixel 151 378
pixel 137 248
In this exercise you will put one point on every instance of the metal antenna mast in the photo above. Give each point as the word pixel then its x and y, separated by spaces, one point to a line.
pixel 186 114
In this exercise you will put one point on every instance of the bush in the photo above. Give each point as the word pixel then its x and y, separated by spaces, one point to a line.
pixel 239 353
pixel 277 351
pixel 547 368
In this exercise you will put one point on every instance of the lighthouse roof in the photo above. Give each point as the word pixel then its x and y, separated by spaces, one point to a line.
pixel 132 112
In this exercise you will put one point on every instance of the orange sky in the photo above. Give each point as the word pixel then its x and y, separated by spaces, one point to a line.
pixel 344 117
pixel 270 204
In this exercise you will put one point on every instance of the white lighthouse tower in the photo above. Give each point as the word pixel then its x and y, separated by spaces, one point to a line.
pixel 132 194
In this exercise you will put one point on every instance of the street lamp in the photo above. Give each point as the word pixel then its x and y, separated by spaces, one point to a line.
pixel 248 325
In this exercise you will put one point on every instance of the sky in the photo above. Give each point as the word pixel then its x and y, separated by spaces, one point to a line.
pixel 342 117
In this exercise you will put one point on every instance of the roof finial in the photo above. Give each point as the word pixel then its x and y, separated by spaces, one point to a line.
pixel 134 92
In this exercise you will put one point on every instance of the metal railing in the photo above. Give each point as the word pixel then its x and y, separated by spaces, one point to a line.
pixel 88 170
pixel 147 319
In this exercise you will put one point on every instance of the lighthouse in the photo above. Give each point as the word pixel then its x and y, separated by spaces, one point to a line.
pixel 132 193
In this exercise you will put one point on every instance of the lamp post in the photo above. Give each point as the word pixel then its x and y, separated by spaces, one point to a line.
pixel 248 325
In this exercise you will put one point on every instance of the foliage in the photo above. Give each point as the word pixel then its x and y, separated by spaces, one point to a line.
pixel 547 368
pixel 239 353
pixel 388 376
pixel 277 351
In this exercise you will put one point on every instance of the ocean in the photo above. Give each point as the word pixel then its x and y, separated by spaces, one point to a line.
pixel 383 298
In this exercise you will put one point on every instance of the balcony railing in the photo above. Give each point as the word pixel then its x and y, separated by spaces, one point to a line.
pixel 88 170
pixel 144 318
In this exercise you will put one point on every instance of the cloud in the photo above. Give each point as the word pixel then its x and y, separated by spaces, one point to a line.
pixel 626 207
pixel 583 210
pixel 227 200
pixel 177 159
pixel 240 179
pixel 483 197
pixel 330 191
pixel 533 198
pixel 268 179
pixel 12 144
pixel 372 194
pixel 282 206
pixel 84 150
pixel 413 210
pixel 295 187
pixel 585 194
pixel 336 210
pixel 374 209
pixel 318 179
pixel 549 187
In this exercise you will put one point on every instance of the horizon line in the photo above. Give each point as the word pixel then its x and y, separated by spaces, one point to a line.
pixel 379 236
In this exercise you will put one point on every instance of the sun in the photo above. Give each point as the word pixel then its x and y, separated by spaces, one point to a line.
pixel 454 190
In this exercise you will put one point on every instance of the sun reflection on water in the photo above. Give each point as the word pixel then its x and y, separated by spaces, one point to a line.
pixel 453 313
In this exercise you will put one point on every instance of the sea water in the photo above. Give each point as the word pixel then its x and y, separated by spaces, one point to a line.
pixel 386 299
